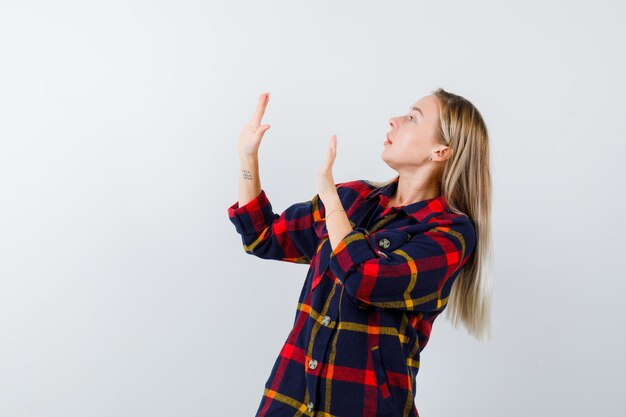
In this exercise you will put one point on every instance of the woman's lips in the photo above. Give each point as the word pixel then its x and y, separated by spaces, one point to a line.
pixel 388 141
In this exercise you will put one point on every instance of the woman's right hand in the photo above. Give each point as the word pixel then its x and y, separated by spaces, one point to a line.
pixel 252 133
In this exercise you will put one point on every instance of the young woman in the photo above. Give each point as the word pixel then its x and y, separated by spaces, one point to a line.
pixel 385 259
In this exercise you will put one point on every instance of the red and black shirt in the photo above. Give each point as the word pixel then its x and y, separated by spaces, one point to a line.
pixel 366 309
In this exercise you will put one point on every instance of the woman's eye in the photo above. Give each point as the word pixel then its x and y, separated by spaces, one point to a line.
pixel 410 117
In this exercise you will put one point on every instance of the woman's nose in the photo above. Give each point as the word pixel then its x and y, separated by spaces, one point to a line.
pixel 392 122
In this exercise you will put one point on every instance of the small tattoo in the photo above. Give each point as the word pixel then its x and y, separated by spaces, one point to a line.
pixel 246 174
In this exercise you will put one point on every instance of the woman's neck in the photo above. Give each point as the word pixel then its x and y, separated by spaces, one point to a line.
pixel 429 192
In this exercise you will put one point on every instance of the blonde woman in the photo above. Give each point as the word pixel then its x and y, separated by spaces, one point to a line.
pixel 385 259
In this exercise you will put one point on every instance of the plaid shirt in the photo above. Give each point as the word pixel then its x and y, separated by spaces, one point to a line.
pixel 366 309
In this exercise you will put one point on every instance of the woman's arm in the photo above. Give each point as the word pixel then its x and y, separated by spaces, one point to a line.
pixel 290 236
pixel 249 181
pixel 248 149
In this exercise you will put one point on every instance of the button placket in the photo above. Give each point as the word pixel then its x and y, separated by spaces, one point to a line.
pixel 325 322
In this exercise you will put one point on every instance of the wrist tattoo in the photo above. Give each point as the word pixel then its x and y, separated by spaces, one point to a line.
pixel 246 174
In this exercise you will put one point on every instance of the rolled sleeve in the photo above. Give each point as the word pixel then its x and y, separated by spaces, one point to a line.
pixel 290 236
pixel 253 217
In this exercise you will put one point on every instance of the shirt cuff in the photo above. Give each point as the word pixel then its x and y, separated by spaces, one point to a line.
pixel 352 250
pixel 253 217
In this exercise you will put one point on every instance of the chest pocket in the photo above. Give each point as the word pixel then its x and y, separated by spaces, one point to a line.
pixel 382 242
pixel 385 241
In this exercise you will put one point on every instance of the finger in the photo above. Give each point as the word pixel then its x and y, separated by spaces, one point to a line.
pixel 260 109
pixel 262 129
pixel 324 166
pixel 330 155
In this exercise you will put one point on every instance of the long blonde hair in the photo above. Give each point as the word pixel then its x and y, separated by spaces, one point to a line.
pixel 466 185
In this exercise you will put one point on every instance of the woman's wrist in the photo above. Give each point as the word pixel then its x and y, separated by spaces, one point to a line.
pixel 248 157
pixel 333 211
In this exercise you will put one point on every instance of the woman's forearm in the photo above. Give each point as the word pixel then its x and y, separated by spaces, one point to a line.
pixel 337 224
pixel 249 181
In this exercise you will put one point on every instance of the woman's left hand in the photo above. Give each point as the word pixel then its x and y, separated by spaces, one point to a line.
pixel 326 183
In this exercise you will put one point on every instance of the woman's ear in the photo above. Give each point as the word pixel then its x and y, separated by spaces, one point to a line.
pixel 443 153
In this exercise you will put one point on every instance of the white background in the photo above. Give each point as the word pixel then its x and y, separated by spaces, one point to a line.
pixel 124 288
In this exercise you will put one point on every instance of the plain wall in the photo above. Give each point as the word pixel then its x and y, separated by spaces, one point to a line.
pixel 124 288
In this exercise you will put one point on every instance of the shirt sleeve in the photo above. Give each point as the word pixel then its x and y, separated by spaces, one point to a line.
pixel 289 236
pixel 416 276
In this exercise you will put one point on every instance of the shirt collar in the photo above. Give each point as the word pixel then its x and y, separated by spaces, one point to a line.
pixel 419 210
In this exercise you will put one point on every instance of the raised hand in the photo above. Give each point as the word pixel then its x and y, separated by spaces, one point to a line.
pixel 252 133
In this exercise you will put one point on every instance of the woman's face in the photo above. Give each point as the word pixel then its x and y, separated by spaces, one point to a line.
pixel 413 135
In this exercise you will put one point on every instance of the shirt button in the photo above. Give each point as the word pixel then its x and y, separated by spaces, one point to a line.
pixel 312 364
pixel 384 243
pixel 310 406
pixel 326 320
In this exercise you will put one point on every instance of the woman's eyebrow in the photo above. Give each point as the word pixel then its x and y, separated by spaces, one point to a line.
pixel 417 109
